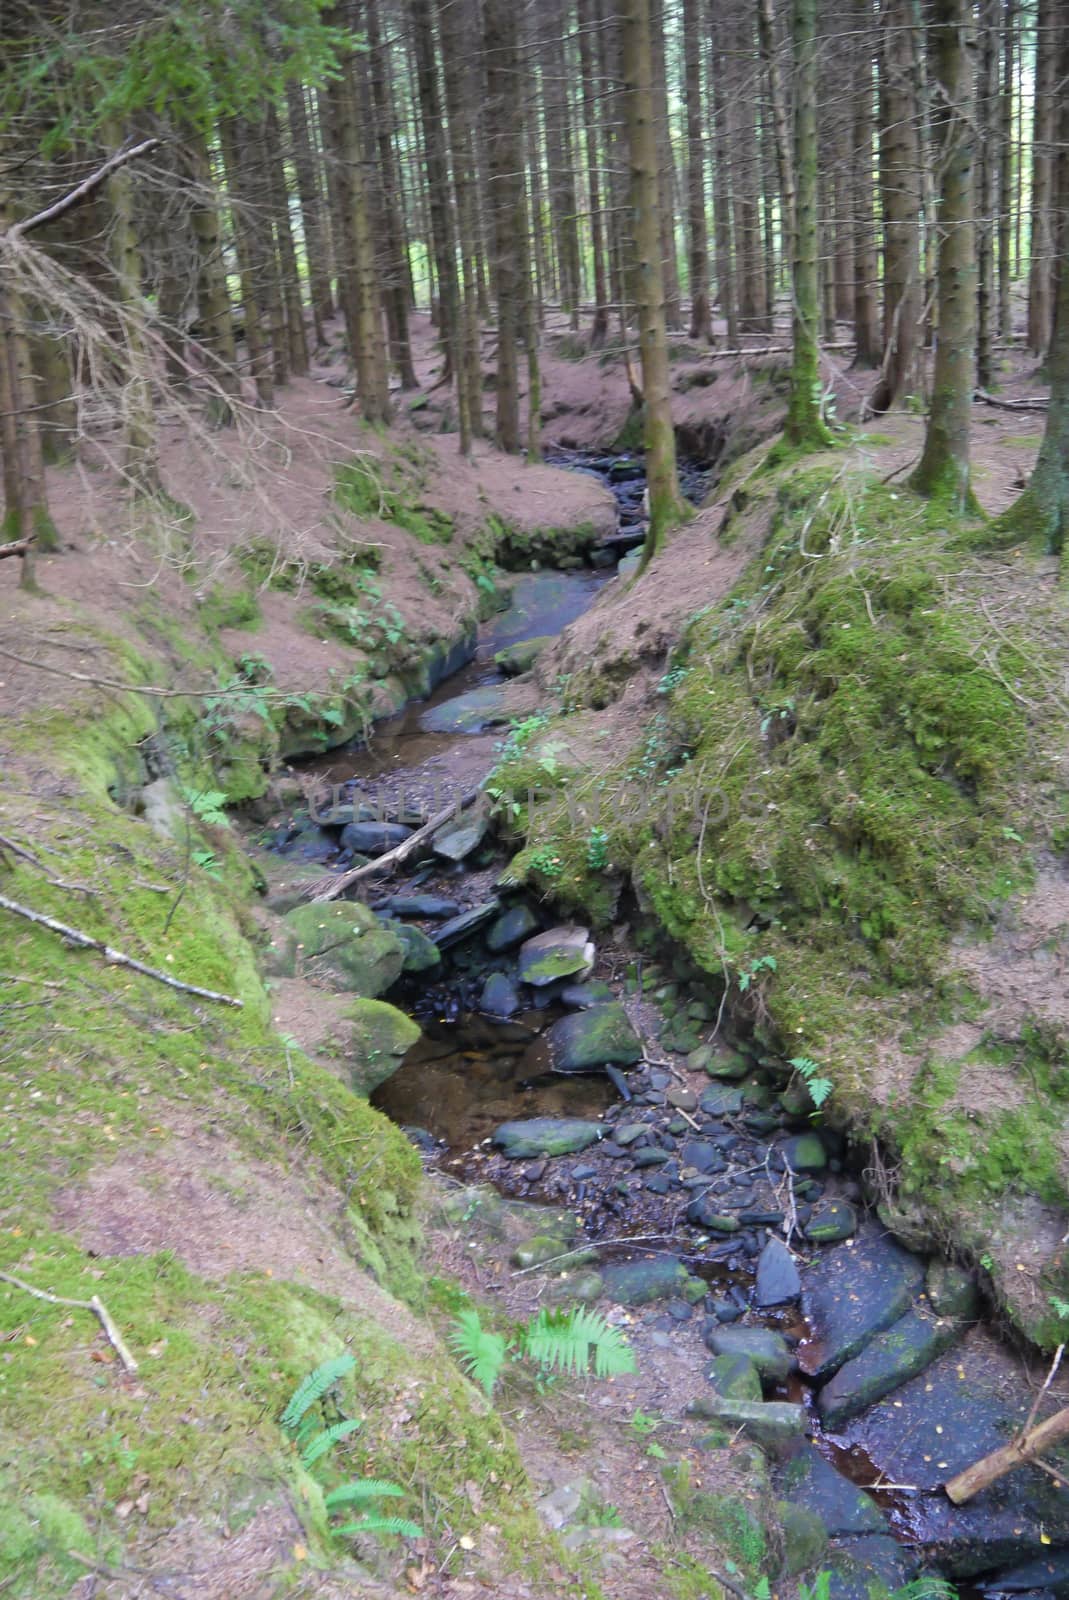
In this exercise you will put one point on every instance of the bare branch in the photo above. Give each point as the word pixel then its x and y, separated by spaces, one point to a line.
pixel 86 187
pixel 95 1305
pixel 115 957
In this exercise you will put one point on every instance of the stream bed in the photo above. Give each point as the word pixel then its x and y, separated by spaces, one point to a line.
pixel 580 1077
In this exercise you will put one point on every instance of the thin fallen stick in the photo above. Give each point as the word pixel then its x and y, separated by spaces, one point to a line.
pixel 95 1305
pixel 1055 1364
pixel 400 852
pixel 1009 405
pixel 114 957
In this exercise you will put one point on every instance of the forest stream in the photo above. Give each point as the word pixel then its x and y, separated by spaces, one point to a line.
pixel 618 1088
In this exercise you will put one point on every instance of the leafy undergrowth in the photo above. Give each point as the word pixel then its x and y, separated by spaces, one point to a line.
pixel 107 1071
pixel 854 762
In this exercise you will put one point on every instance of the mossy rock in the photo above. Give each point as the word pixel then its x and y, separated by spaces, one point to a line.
pixel 804 1536
pixel 421 953
pixel 344 945
pixel 380 1037
pixel 515 659
pixel 598 1037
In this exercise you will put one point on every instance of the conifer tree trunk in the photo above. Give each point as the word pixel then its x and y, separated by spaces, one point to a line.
pixel 701 320
pixel 866 308
pixel 140 463
pixel 360 302
pixel 666 167
pixel 943 470
pixel 504 158
pixel 255 340
pixel 900 163
pixel 1006 164
pixel 805 425
pixel 458 44
pixel 589 20
pixel 26 513
pixel 441 212
pixel 666 503
pixel 213 301
pixel 563 202
pixel 745 158
pixel 1043 509
pixel 766 25
pixel 722 208
pixel 1041 250
pixel 394 245
pixel 989 123
pixel 313 214
pixel 286 254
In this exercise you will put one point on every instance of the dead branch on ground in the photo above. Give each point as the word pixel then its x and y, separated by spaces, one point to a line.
pixel 94 1304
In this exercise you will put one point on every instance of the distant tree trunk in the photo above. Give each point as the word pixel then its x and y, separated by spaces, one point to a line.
pixel 140 460
pixel 1043 509
pixel 1006 164
pixel 26 513
pixel 900 198
pixel 701 320
pixel 213 301
pixel 255 341
pixel 722 210
pixel 309 190
pixel 504 155
pixel 666 503
pixel 866 272
pixel 361 304
pixel 456 33
pixel 805 425
pixel 296 337
pixel 943 470
pixel 589 19
pixel 989 123
pixel 666 167
pixel 563 202
pixel 766 26
pixel 1041 252
pixel 745 159
pixel 441 211
pixel 57 411
pixel 394 242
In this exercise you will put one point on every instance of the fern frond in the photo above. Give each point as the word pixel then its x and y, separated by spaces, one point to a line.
pixel 926 1587
pixel 401 1525
pixel 314 1387
pixel 317 1447
pixel 564 1340
pixel 481 1353
pixel 361 1489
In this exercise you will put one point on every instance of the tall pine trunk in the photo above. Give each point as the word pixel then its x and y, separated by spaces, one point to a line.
pixel 701 319
pixel 805 425
pixel 866 269
pixel 666 503
pixel 504 156
pixel 1041 252
pixel 943 470
pixel 589 19
pixel 900 198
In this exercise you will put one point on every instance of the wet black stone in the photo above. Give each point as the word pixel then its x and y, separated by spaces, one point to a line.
pixel 535 1171
pixel 725 1311
pixel 659 1183
pixel 761 1219
pixel 608 1148
pixel 852 1293
pixel 650 1156
pixel 373 838
pixel 679 1310
pixel 580 1173
pixel 810 1481
pixel 778 1282
pixel 702 1155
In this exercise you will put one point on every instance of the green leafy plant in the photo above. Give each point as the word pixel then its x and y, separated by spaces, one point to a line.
pixel 576 1342
pixel 809 1070
pixel 597 850
pixel 301 1420
pixel 207 806
pixel 757 966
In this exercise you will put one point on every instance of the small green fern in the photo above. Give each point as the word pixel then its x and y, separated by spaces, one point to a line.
pixel 564 1341
pixel 359 1490
pixel 318 1447
pixel 401 1525
pixel 808 1069
pixel 313 1388
pixel 556 1341
pixel 481 1353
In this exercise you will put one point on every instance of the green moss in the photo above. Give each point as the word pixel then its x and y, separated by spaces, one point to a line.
pixel 229 608
pixel 390 490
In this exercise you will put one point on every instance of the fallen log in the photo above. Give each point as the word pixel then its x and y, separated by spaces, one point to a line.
pixel 1010 405
pixel 1018 1453
pixel 18 547
pixel 397 856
